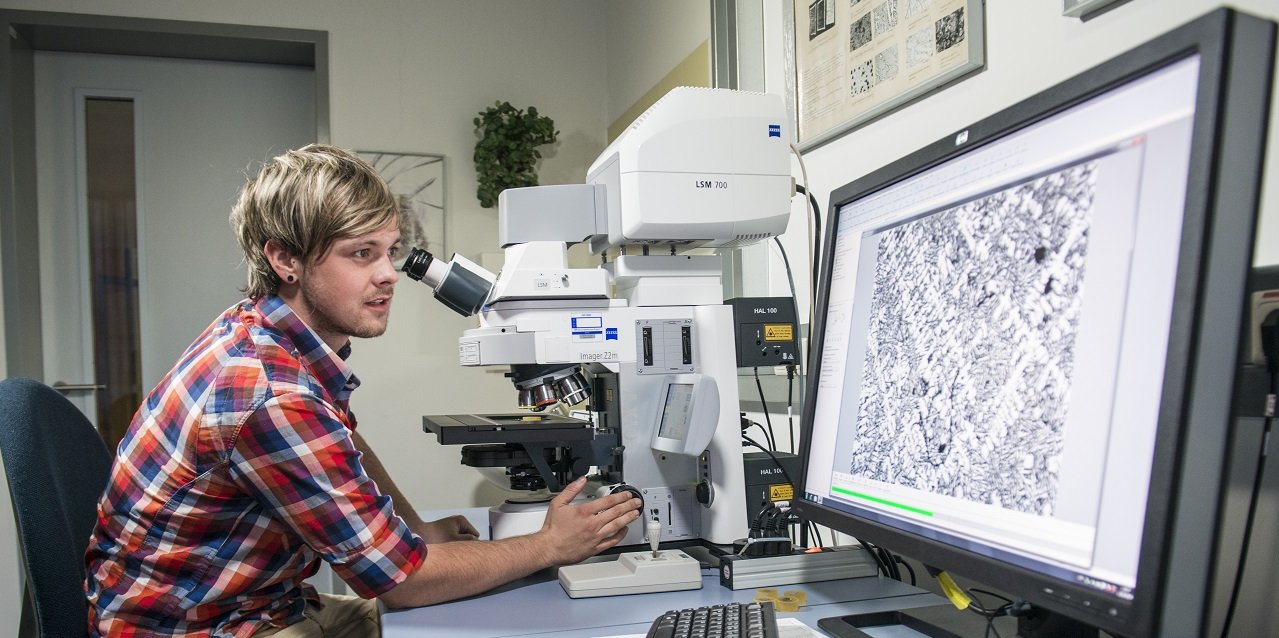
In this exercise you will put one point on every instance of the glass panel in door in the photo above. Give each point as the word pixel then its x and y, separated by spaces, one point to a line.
pixel 110 175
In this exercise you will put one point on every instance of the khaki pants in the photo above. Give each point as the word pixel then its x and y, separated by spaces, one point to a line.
pixel 341 617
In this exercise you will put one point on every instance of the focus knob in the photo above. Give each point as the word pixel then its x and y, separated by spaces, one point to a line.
pixel 705 492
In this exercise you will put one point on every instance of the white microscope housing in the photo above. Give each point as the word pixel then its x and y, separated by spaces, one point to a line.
pixel 647 332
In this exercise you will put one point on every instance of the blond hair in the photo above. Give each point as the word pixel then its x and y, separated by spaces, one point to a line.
pixel 304 200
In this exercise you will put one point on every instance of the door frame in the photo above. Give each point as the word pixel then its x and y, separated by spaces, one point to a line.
pixel 31 31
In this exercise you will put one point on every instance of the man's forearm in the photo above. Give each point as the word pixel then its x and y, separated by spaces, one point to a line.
pixel 373 467
pixel 570 533
pixel 465 568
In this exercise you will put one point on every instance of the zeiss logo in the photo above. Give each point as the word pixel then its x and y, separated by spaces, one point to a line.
pixel 775 130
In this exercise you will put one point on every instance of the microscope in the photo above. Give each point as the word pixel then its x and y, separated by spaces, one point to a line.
pixel 626 372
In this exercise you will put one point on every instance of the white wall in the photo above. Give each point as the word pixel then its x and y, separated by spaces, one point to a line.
pixel 645 41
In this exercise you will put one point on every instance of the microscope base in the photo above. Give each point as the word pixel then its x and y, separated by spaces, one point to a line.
pixel 516 519
pixel 632 573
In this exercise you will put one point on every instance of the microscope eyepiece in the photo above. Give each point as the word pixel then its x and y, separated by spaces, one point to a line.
pixel 416 264
pixel 459 284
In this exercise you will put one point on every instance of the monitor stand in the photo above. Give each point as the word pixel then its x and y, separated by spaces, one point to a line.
pixel 945 621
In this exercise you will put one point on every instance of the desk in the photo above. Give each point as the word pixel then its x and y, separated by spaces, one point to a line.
pixel 537 605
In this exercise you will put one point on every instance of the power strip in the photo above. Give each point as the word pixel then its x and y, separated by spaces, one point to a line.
pixel 832 563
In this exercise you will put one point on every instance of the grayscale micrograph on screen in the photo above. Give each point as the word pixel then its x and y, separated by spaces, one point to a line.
pixel 974 311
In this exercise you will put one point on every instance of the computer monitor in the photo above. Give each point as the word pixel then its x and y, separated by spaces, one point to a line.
pixel 1026 335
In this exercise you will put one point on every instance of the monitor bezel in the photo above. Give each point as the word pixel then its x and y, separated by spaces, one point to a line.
pixel 1236 54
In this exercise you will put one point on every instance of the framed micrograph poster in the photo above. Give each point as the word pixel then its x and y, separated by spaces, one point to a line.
pixel 856 60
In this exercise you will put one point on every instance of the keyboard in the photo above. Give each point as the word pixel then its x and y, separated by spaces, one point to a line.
pixel 733 620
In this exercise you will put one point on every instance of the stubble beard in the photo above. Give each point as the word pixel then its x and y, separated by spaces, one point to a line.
pixel 326 323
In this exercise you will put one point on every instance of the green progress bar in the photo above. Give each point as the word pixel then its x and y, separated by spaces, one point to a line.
pixel 867 497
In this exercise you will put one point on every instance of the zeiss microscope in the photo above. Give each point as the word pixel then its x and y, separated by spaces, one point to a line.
pixel 643 342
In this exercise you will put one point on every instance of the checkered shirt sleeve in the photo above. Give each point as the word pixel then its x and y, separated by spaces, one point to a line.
pixel 298 459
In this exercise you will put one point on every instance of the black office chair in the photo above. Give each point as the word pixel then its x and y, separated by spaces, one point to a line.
pixel 57 466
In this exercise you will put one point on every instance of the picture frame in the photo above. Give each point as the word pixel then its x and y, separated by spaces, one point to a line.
pixel 417 180
pixel 858 60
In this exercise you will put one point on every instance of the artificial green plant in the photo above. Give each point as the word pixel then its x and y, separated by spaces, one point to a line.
pixel 507 153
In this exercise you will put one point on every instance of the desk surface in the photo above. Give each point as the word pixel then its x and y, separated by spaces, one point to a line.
pixel 538 606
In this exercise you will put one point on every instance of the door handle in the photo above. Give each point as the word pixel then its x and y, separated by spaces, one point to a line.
pixel 64 388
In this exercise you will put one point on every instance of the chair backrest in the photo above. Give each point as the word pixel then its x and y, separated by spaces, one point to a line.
pixel 57 466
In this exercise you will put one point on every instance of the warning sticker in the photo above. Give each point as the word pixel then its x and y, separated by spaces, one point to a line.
pixel 781 492
pixel 779 332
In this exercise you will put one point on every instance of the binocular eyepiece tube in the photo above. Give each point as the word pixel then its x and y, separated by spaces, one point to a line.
pixel 459 284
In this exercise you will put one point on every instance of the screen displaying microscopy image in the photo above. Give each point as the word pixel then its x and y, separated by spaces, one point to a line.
pixel 994 339
pixel 969 357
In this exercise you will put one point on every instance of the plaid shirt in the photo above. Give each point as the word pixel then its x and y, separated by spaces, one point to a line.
pixel 236 476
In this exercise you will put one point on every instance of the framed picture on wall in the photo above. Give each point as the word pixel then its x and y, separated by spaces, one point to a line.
pixel 417 179
pixel 856 60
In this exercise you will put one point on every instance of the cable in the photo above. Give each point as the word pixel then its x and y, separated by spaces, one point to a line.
pixel 814 237
pixel 1270 347
pixel 908 568
pixel 772 438
pixel 817 534
pixel 747 424
pixel 785 475
pixel 752 443
pixel 794 298
pixel 808 234
pixel 771 521
pixel 989 614
pixel 790 368
pixel 816 230
pixel 790 275
pixel 756 423
pixel 879 560
pixel 816 269
pixel 885 559
pixel 966 599
pixel 815 252
pixel 891 560
pixel 758 523
pixel 750 423
pixel 790 404
pixel 1008 603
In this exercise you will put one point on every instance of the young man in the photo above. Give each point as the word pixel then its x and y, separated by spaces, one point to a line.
pixel 242 469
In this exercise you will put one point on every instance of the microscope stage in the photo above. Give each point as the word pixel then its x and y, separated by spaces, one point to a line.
pixel 506 428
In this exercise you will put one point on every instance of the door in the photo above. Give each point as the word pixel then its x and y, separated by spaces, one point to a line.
pixel 136 252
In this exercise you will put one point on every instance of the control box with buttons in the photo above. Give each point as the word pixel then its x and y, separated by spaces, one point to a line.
pixel 767 331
